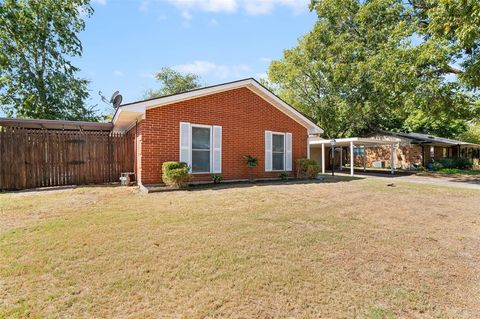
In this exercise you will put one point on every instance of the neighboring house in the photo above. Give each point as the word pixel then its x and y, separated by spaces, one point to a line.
pixel 213 128
pixel 416 149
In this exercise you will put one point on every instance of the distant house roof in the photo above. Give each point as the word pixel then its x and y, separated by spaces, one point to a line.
pixel 55 124
pixel 418 138
pixel 127 114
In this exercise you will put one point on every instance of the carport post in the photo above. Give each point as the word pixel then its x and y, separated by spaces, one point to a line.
pixel 392 159
pixel 341 158
pixel 323 158
pixel 351 158
pixel 364 158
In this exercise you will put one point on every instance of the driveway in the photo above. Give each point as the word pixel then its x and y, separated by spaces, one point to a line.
pixel 458 181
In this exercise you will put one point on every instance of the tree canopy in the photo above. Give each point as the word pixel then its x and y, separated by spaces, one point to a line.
pixel 37 79
pixel 382 64
pixel 173 82
pixel 472 134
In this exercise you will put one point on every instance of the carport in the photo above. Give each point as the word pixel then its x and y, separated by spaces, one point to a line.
pixel 351 143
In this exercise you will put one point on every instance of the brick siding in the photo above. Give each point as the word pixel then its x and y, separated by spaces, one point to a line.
pixel 244 117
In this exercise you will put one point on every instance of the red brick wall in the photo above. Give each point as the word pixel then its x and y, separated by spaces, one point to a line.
pixel 244 117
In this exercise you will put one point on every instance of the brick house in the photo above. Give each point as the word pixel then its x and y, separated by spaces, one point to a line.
pixel 213 128
pixel 416 149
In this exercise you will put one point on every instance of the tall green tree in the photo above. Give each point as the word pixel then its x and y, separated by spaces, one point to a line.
pixel 366 66
pixel 173 82
pixel 37 40
pixel 454 25
pixel 472 134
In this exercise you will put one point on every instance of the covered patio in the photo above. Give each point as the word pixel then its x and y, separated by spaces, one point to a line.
pixel 321 151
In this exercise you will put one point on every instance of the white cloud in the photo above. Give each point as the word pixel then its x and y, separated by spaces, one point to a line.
pixel 187 15
pixel 162 17
pixel 209 68
pixel 207 5
pixel 265 60
pixel 187 19
pixel 147 75
pixel 101 2
pixel 251 7
pixel 257 7
pixel 144 6
pixel 118 73
pixel 213 22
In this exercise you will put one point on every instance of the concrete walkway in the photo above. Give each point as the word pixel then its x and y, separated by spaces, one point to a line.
pixel 471 182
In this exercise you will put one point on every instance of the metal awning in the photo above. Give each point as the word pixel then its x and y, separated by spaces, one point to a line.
pixel 425 139
pixel 55 124
pixel 352 142
pixel 359 141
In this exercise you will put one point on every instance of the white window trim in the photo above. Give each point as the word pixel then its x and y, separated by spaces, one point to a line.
pixel 284 152
pixel 210 127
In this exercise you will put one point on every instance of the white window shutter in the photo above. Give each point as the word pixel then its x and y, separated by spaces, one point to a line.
pixel 185 143
pixel 268 151
pixel 217 150
pixel 288 151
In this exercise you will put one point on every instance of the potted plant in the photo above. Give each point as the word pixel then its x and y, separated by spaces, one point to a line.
pixel 251 162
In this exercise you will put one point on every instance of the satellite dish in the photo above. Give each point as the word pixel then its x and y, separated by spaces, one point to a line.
pixel 116 99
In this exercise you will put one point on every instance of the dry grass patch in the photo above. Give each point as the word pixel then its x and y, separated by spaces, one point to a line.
pixel 350 249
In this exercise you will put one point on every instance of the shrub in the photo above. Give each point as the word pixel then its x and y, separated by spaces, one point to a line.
pixel 307 168
pixel 420 168
pixel 250 160
pixel 436 166
pixel 456 162
pixel 313 170
pixel 175 174
pixel 284 176
pixel 216 179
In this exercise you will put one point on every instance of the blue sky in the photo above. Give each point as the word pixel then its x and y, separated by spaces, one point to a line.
pixel 127 41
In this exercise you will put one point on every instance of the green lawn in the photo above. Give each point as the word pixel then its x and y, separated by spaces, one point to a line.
pixel 450 171
pixel 351 249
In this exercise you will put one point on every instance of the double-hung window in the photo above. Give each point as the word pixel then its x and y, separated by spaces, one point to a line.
pixel 278 151
pixel 201 147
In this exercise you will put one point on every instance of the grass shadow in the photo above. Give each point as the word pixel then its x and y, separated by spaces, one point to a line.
pixel 48 189
pixel 245 184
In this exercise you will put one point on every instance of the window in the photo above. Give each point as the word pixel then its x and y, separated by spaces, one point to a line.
pixel 278 152
pixel 432 152
pixel 359 151
pixel 445 152
pixel 201 149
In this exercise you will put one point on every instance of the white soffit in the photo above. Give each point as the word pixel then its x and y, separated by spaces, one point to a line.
pixel 131 112
pixel 355 140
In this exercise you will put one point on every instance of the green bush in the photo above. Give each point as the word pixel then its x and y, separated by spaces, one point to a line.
pixel 420 168
pixel 307 168
pixel 216 179
pixel 284 176
pixel 250 160
pixel 175 174
pixel 436 166
pixel 456 162
pixel 459 171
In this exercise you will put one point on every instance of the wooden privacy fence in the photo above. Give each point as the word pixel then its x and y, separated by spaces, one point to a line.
pixel 32 158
